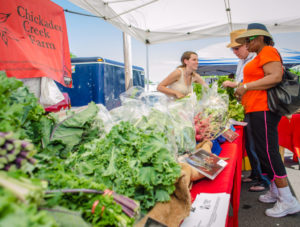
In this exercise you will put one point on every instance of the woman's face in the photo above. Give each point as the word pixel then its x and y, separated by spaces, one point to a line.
pixel 253 44
pixel 240 51
pixel 192 62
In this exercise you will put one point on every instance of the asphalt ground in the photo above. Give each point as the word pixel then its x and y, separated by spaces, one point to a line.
pixel 251 211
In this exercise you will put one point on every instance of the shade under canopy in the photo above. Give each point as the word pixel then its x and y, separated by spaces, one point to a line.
pixel 159 21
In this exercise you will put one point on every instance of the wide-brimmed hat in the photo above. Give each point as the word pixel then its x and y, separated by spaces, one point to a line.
pixel 252 30
pixel 233 36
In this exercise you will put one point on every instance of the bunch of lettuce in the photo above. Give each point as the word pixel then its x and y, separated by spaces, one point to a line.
pixel 130 162
pixel 159 122
pixel 20 111
pixel 65 136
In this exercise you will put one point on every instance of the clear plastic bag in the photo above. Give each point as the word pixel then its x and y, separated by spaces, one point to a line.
pixel 105 116
pixel 131 110
pixel 147 111
pixel 182 112
pixel 156 100
pixel 131 94
pixel 50 94
pixel 211 114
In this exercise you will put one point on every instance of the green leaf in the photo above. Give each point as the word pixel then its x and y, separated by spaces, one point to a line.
pixel 162 195
pixel 147 176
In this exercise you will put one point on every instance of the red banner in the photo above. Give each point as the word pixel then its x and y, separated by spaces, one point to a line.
pixel 34 41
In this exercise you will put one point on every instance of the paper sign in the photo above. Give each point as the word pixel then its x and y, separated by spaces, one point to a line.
pixel 208 210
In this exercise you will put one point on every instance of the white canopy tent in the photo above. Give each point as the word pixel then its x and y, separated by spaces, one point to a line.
pixel 159 21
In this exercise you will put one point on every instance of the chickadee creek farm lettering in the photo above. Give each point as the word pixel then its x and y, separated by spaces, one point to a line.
pixel 36 34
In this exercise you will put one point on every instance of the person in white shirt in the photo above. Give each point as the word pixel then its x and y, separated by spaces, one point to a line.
pixel 242 53
pixel 178 83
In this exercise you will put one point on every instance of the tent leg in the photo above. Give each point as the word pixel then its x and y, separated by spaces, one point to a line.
pixel 147 66
pixel 127 60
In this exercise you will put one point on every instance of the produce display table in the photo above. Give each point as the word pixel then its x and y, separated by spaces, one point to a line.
pixel 229 180
pixel 289 134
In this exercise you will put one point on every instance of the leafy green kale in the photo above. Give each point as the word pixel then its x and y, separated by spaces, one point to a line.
pixel 20 111
pixel 130 162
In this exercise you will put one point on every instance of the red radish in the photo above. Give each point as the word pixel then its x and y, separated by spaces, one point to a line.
pixel 198 138
pixel 197 129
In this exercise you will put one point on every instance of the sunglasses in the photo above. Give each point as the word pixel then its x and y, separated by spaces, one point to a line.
pixel 248 40
pixel 235 48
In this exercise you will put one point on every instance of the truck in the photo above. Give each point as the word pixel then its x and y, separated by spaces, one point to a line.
pixel 100 80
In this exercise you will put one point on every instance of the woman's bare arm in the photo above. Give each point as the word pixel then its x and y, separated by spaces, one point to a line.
pixel 199 80
pixel 170 79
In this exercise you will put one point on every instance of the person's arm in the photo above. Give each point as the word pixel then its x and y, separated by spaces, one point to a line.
pixel 173 77
pixel 228 83
pixel 273 75
pixel 198 79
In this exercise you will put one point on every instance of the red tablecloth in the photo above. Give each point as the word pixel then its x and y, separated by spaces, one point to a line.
pixel 229 180
pixel 289 134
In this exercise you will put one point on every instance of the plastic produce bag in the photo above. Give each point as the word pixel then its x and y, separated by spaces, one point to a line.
pixel 158 121
pixel 132 107
pixel 182 112
pixel 147 111
pixel 50 94
pixel 131 94
pixel 105 116
pixel 131 110
pixel 211 114
pixel 33 85
pixel 155 100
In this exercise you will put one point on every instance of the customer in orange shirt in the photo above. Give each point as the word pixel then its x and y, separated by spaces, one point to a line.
pixel 260 74
pixel 257 179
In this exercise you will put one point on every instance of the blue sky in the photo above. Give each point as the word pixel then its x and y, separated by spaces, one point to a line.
pixel 90 37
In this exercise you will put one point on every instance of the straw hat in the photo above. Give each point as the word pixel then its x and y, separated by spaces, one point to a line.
pixel 252 30
pixel 233 35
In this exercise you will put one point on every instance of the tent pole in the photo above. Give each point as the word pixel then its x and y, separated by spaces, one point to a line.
pixel 228 13
pixel 147 66
pixel 127 60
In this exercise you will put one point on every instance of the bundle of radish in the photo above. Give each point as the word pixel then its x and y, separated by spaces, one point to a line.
pixel 211 117
pixel 14 153
pixel 209 124
pixel 202 128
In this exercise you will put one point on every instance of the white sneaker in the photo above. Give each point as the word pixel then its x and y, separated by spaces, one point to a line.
pixel 269 197
pixel 281 209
